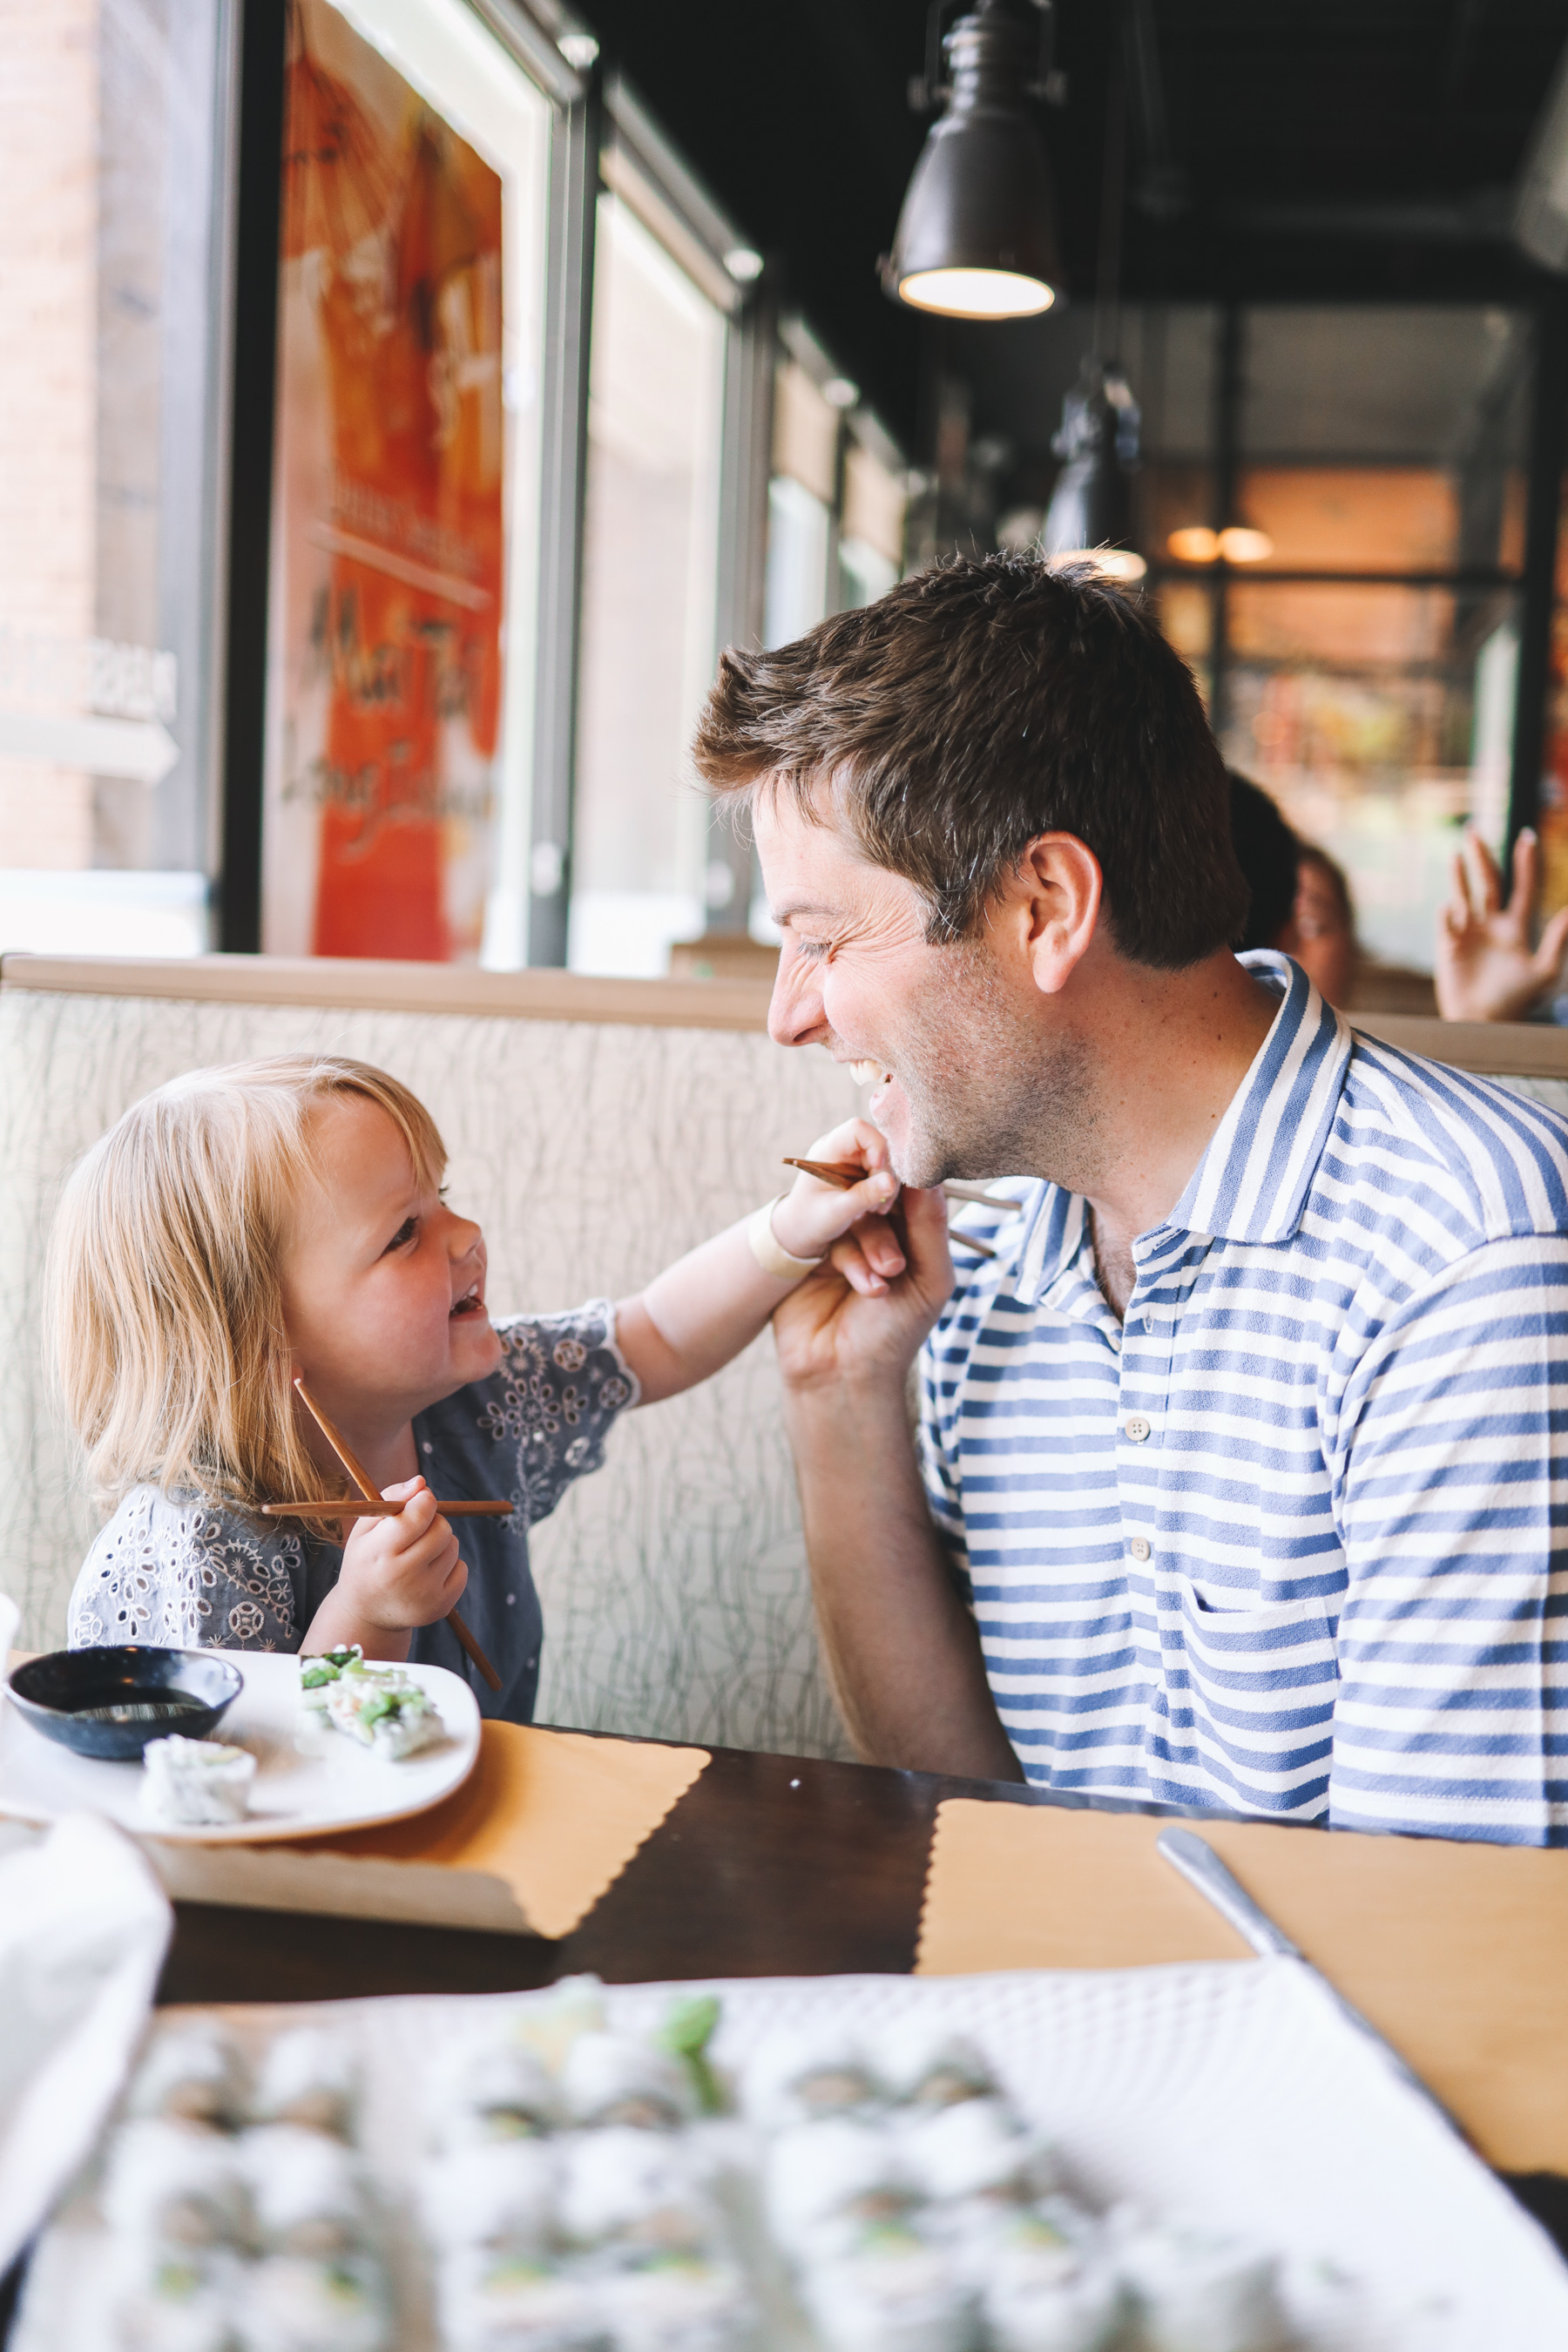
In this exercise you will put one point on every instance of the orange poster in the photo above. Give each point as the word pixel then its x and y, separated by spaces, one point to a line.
pixel 388 540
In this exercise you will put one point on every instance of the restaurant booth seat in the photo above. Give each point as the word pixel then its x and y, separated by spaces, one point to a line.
pixel 598 1128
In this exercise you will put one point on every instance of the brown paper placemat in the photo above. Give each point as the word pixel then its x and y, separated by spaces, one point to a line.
pixel 1458 1952
pixel 545 1821
pixel 554 1814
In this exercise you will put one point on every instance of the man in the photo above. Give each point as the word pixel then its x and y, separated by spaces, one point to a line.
pixel 1235 1481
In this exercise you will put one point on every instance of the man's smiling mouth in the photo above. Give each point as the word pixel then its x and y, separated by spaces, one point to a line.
pixel 867 1074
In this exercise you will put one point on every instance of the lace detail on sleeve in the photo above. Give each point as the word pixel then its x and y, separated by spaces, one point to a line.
pixel 563 1382
pixel 176 1570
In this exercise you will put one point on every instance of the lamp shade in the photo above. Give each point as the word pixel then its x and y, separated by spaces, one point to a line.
pixel 978 234
pixel 1092 506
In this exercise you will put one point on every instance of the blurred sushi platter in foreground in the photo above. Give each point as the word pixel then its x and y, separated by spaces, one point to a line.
pixel 1085 2162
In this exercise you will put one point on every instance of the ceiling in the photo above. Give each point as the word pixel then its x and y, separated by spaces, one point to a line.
pixel 1301 151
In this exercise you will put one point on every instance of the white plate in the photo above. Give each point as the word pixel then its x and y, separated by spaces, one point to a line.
pixel 295 1795
pixel 1232 2091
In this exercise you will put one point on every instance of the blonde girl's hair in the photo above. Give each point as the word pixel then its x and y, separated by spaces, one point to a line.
pixel 163 1299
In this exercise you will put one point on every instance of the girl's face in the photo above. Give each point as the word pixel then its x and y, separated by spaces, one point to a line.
pixel 384 1287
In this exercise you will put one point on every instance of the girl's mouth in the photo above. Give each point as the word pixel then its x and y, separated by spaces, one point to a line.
pixel 471 1302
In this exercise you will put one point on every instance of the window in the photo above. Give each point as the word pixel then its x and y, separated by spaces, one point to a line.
pixel 1362 667
pixel 650 578
pixel 405 493
pixel 112 145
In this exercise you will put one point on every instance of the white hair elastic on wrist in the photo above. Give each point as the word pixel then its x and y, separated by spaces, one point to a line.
pixel 770 1254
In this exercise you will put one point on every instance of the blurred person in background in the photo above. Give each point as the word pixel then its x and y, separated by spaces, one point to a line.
pixel 1485 966
pixel 1300 898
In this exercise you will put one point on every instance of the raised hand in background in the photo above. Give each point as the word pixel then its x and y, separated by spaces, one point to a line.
pixel 1486 969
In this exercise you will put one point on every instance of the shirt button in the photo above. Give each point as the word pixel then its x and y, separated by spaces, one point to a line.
pixel 428 1447
pixel 1139 1548
pixel 1138 1429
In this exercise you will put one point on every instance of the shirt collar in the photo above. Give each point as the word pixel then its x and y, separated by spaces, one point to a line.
pixel 1252 1182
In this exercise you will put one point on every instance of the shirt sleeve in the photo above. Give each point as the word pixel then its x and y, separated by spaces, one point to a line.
pixel 562 1382
pixel 181 1574
pixel 1452 1711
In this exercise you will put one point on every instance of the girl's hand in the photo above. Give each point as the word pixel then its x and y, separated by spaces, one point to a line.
pixel 844 1327
pixel 403 1572
pixel 815 1218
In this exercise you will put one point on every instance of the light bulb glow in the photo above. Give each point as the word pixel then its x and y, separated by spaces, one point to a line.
pixel 1195 544
pixel 1238 545
pixel 1123 564
pixel 976 293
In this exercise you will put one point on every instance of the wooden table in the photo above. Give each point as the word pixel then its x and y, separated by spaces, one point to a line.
pixel 769 1865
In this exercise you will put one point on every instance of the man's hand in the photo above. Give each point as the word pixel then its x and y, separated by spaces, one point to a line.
pixel 1486 968
pixel 847 1323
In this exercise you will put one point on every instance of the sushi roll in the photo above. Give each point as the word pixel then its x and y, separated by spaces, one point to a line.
pixel 308 2078
pixel 1200 2290
pixel 632 2195
pixel 496 2090
pixel 308 2193
pixel 806 2078
pixel 503 2197
pixel 510 2305
pixel 293 2303
pixel 824 2185
pixel 926 2064
pixel 192 2074
pixel 1045 2288
pixel 195 1783
pixel 317 1674
pixel 387 1712
pixel 177 2303
pixel 976 2149
pixel 682 2305
pixel 893 2293
pixel 171 2187
pixel 616 2078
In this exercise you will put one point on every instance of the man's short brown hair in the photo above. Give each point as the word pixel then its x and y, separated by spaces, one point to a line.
pixel 978 705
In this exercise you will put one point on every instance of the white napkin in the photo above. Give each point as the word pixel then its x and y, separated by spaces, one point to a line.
pixel 83 1929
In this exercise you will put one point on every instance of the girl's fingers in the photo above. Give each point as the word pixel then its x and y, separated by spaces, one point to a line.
pixel 856 1139
pixel 850 1260
pixel 880 1246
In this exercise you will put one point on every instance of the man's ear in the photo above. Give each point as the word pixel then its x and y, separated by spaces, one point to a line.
pixel 1059 886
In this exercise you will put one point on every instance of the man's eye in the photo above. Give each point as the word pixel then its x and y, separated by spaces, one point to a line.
pixel 814 951
pixel 402 1236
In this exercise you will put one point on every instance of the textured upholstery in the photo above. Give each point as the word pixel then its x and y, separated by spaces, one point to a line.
pixel 674 1585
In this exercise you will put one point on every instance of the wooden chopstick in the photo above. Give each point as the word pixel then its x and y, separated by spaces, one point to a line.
pixel 845 1175
pixel 340 1446
pixel 356 1508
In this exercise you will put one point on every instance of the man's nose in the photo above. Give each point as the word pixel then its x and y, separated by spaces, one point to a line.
pixel 795 1016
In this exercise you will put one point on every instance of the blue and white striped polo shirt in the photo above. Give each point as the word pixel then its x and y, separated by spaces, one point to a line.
pixel 1293 1539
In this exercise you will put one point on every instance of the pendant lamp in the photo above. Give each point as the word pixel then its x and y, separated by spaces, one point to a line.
pixel 978 234
pixel 1090 512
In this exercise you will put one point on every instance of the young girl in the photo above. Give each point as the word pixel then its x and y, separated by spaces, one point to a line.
pixel 244 1225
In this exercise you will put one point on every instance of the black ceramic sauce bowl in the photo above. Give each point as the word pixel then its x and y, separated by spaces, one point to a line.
pixel 111 1703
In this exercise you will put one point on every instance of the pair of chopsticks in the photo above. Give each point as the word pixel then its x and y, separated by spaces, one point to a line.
pixel 844 1174
pixel 369 1506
